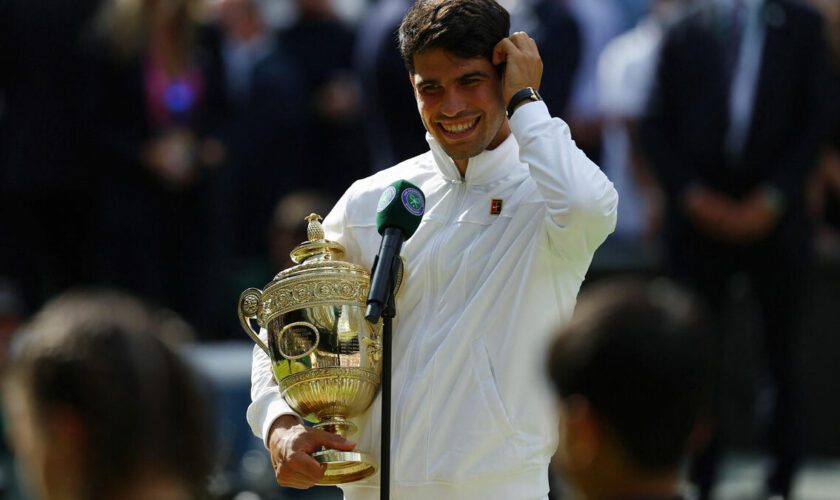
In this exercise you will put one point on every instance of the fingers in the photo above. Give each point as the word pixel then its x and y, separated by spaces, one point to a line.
pixel 501 50
pixel 314 439
pixel 523 42
pixel 291 450
pixel 523 65
pixel 299 470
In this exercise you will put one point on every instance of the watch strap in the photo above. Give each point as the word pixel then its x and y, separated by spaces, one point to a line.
pixel 524 94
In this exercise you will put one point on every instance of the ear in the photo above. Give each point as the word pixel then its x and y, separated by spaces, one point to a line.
pixel 65 463
pixel 69 437
pixel 411 81
pixel 583 433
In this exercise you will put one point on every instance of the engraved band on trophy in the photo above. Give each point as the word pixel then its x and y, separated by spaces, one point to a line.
pixel 325 357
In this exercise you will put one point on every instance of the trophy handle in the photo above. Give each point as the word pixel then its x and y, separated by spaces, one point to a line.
pixel 249 305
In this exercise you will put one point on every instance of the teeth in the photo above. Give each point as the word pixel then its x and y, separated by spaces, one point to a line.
pixel 458 128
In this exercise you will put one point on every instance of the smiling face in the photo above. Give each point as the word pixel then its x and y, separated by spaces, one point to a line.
pixel 460 102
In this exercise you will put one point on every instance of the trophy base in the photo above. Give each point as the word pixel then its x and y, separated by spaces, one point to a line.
pixel 344 466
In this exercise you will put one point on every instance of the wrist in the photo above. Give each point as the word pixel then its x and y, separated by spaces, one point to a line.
pixel 284 422
pixel 520 97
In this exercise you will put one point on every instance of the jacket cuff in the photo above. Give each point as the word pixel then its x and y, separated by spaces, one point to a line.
pixel 527 114
pixel 263 412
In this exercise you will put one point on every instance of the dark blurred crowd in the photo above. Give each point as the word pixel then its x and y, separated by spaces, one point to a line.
pixel 171 148
pixel 144 144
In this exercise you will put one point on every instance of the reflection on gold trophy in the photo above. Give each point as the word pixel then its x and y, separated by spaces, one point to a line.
pixel 324 354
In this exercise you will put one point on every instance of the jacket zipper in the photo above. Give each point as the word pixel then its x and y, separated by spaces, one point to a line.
pixel 433 270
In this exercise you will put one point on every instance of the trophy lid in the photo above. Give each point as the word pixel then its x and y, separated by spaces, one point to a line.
pixel 317 247
pixel 318 258
pixel 319 278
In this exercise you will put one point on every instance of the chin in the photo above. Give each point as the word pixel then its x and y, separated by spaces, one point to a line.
pixel 461 151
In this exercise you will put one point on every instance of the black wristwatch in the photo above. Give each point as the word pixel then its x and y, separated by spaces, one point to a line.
pixel 526 94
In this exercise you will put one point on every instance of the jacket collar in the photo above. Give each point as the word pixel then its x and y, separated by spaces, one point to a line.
pixel 486 167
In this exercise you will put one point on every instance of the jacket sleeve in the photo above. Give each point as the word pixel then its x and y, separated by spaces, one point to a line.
pixel 580 201
pixel 266 403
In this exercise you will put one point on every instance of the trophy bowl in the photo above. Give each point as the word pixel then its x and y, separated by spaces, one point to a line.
pixel 325 357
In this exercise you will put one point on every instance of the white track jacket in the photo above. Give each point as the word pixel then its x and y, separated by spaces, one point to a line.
pixel 473 416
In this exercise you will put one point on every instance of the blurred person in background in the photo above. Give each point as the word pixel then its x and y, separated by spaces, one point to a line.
pixel 825 186
pixel 385 100
pixel 48 187
pixel 321 45
pixel 99 407
pixel 285 230
pixel 626 71
pixel 288 223
pixel 633 374
pixel 734 126
pixel 154 98
pixel 558 34
pixel 599 21
pixel 259 124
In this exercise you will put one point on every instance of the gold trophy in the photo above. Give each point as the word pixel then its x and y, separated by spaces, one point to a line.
pixel 325 356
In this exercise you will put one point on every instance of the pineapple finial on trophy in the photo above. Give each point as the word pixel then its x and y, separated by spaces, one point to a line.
pixel 314 231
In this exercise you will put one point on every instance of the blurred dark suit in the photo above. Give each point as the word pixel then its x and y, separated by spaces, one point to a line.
pixel 46 186
pixel 685 137
pixel 263 137
pixel 394 130
pixel 153 235
pixel 559 41
pixel 321 47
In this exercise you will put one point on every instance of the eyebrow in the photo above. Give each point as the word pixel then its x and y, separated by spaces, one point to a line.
pixel 473 74
pixel 465 76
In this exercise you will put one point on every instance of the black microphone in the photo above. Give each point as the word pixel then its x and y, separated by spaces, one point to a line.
pixel 398 214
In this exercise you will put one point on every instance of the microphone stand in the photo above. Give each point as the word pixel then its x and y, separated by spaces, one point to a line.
pixel 388 314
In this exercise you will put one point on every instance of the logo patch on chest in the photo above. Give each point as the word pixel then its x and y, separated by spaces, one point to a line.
pixel 496 206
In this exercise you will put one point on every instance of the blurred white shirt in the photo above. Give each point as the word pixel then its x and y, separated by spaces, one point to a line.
pixel 625 74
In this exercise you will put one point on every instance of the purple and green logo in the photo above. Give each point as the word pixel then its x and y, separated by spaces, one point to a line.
pixel 413 201
pixel 386 198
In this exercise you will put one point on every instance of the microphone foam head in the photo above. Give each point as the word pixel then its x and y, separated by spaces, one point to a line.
pixel 401 205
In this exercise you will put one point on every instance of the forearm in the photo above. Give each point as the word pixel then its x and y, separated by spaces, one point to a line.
pixel 578 196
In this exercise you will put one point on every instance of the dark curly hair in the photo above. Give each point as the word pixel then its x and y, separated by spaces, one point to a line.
pixel 465 28
pixel 640 354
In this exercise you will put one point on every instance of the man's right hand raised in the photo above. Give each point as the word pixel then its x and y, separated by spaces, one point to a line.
pixel 291 444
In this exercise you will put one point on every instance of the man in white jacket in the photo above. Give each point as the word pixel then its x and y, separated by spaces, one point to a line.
pixel 514 213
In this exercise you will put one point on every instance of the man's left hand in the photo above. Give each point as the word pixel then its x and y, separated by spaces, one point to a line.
pixel 523 65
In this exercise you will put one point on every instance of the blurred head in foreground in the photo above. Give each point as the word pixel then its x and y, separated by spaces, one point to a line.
pixel 100 408
pixel 632 372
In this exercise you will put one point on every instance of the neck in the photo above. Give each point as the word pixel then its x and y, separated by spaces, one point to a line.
pixel 462 166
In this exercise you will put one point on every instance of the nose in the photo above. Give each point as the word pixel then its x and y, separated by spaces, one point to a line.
pixel 453 103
